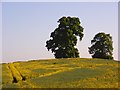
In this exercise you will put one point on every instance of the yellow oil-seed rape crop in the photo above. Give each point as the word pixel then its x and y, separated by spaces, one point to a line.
pixel 61 73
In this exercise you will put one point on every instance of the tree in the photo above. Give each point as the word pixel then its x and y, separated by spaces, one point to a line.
pixel 101 46
pixel 64 38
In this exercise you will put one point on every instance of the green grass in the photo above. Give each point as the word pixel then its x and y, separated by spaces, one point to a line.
pixel 61 73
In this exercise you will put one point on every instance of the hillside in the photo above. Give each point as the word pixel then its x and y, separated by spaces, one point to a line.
pixel 61 73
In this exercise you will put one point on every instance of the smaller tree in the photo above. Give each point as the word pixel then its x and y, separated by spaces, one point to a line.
pixel 101 46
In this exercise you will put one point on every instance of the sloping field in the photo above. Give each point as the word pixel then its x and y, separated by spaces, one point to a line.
pixel 61 73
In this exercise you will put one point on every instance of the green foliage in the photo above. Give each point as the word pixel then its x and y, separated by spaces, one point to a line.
pixel 64 38
pixel 101 46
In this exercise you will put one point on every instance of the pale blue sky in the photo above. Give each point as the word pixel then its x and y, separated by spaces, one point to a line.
pixel 27 26
pixel 0 32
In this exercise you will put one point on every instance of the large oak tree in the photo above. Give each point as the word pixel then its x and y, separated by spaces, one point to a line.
pixel 64 38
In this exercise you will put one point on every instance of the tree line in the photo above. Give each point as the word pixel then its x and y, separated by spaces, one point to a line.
pixel 63 40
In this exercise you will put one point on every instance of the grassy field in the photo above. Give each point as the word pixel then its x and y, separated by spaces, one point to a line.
pixel 61 73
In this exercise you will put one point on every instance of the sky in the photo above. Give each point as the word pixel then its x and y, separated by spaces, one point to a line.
pixel 0 32
pixel 26 26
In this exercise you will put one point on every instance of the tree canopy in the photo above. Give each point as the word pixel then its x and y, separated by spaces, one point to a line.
pixel 64 38
pixel 101 46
